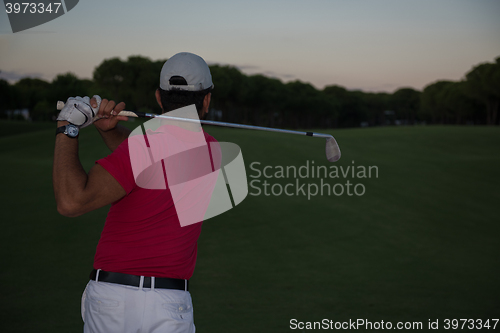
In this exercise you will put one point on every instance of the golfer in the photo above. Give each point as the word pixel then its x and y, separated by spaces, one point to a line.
pixel 144 257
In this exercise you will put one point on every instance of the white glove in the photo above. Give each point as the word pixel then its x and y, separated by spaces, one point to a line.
pixel 78 111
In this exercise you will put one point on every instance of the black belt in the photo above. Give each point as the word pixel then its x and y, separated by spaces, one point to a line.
pixel 134 280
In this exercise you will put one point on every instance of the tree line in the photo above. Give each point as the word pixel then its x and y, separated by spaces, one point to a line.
pixel 266 101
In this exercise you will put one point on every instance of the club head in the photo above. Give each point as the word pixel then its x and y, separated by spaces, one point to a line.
pixel 332 150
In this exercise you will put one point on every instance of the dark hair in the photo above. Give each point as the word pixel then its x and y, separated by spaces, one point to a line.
pixel 176 98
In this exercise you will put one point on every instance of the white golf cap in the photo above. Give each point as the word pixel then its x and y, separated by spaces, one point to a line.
pixel 188 66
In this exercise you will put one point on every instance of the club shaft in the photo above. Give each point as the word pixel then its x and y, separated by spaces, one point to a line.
pixel 332 148
pixel 60 105
pixel 250 127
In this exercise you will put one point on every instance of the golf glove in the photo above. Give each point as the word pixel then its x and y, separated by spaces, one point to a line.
pixel 78 111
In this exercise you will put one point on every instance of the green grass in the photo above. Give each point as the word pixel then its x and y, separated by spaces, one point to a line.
pixel 422 243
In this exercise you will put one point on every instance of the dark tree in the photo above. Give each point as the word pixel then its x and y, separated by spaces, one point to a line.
pixel 406 103
pixel 8 97
pixel 133 81
pixel 483 83
pixel 432 107
pixel 30 91
pixel 348 104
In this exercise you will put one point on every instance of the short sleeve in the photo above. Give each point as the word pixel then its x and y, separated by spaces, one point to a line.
pixel 118 165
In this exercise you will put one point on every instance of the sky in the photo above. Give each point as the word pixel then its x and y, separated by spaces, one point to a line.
pixel 372 45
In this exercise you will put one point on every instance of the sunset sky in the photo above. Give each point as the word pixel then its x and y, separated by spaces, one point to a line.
pixel 373 45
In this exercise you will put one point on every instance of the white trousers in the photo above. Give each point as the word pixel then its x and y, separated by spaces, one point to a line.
pixel 110 308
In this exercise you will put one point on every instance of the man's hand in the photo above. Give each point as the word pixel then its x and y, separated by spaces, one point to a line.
pixel 107 114
pixel 107 122
pixel 78 111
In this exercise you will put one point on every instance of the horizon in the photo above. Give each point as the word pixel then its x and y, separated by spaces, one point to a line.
pixel 12 79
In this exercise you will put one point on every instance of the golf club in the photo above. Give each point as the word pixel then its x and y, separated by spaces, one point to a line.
pixel 332 148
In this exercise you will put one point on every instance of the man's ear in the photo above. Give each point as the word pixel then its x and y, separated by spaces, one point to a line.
pixel 206 102
pixel 158 98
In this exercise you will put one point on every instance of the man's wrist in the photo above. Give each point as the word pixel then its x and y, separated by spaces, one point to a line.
pixel 62 123
pixel 67 128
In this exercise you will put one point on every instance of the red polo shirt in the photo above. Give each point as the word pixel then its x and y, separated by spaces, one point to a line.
pixel 142 234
